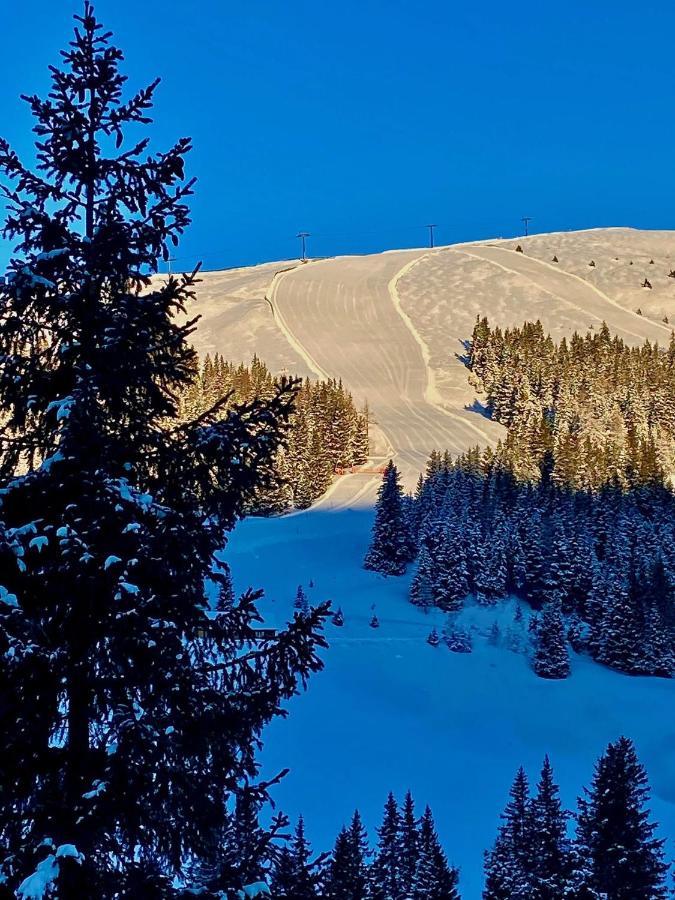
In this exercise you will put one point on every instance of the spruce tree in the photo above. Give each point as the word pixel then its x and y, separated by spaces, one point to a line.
pixel 128 714
pixel 297 876
pixel 551 853
pixel 347 876
pixel 551 659
pixel 385 872
pixel 390 548
pixel 434 878
pixel 509 865
pixel 615 839
pixel 409 846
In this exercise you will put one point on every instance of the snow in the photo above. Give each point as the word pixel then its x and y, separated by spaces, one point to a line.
pixel 51 254
pixel 258 889
pixel 129 588
pixel 98 789
pixel 8 598
pixel 38 543
pixel 111 561
pixel 390 712
pixel 38 885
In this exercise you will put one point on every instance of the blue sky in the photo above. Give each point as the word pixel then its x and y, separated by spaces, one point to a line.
pixel 362 121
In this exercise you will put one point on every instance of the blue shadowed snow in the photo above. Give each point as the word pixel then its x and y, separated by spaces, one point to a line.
pixel 390 712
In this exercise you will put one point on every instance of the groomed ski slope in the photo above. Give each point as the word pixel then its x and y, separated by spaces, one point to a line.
pixel 389 712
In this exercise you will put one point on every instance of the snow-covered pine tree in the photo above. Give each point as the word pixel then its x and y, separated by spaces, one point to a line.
pixel 451 584
pixel 551 852
pixel 434 878
pixel 338 617
pixel 409 846
pixel 615 840
pixel 617 636
pixel 128 715
pixel 390 549
pixel 551 659
pixel 422 586
pixel 509 864
pixel 347 874
pixel 385 872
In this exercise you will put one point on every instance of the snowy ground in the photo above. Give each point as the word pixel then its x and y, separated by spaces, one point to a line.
pixel 389 712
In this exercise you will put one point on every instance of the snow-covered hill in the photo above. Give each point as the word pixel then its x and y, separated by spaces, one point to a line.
pixel 390 712
pixel 392 325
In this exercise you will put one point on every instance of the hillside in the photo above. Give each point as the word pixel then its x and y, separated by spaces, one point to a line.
pixel 392 325
pixel 452 728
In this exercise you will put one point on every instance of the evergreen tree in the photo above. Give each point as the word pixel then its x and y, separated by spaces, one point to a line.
pixel 551 853
pixel 386 869
pixel 615 838
pixel 390 549
pixel 509 865
pixel 296 876
pixel 434 878
pixel 409 846
pixel 551 659
pixel 121 736
pixel 347 877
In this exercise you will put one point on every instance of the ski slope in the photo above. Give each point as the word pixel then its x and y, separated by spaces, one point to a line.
pixel 393 325
pixel 389 712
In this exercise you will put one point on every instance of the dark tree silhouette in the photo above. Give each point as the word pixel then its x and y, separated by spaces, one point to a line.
pixel 127 714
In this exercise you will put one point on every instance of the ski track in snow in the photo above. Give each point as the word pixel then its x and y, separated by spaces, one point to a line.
pixel 346 321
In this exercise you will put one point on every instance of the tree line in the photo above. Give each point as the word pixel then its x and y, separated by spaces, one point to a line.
pixel 325 432
pixel 606 850
pixel 595 566
pixel 590 410
pixel 613 854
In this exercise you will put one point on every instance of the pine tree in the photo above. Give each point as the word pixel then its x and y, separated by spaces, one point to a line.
pixel 338 617
pixel 409 846
pixel 386 869
pixel 614 835
pixel 509 865
pixel 297 876
pixel 347 876
pixel 390 549
pixel 551 852
pixel 121 739
pixel 433 638
pixel 422 586
pixel 434 878
pixel 551 659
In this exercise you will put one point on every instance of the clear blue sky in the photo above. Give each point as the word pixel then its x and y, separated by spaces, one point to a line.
pixel 362 121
